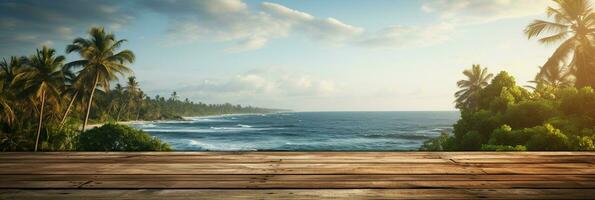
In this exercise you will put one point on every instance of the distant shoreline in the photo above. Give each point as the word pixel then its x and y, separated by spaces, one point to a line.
pixel 185 118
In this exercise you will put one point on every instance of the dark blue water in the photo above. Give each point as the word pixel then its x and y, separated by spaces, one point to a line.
pixel 304 131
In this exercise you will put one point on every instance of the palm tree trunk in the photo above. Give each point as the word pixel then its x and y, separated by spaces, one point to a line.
pixel 125 106
pixel 40 119
pixel 90 101
pixel 68 109
pixel 138 112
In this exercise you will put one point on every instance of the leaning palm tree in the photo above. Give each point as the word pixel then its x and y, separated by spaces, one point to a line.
pixel 100 62
pixel 574 26
pixel 42 80
pixel 477 79
pixel 72 88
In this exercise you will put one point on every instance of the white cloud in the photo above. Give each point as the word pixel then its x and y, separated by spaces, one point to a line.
pixel 483 11
pixel 270 82
pixel 329 29
pixel 29 23
pixel 232 20
pixel 407 36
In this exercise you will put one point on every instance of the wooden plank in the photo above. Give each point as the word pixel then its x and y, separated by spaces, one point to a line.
pixel 383 177
pixel 233 168
pixel 306 155
pixel 302 194
pixel 299 157
pixel 250 175
pixel 319 184
pixel 282 168
pixel 295 181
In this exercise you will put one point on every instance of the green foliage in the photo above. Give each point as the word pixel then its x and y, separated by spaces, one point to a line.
pixel 510 118
pixel 583 143
pixel 539 111
pixel 572 28
pixel 113 137
pixel 472 140
pixel 444 142
pixel 501 92
pixel 547 138
pixel 39 94
pixel 63 138
pixel 505 136
pixel 482 123
pixel 477 79
pixel 488 147
pixel 578 102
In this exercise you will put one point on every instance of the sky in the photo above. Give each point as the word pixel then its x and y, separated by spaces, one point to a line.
pixel 331 55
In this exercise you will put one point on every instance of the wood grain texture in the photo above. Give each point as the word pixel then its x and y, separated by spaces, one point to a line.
pixel 297 175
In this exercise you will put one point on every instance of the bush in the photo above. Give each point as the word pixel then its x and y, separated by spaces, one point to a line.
pixel 584 143
pixel 483 122
pixel 114 137
pixel 444 142
pixel 61 138
pixel 547 138
pixel 487 147
pixel 528 114
pixel 503 136
pixel 471 141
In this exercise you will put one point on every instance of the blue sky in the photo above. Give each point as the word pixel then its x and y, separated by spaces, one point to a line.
pixel 301 55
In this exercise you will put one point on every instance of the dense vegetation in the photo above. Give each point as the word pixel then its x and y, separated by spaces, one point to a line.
pixel 558 113
pixel 46 102
pixel 114 137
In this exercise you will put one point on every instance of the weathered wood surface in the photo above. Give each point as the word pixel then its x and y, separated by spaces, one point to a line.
pixel 298 175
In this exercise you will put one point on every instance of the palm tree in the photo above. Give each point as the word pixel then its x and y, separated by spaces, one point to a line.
pixel 174 96
pixel 574 26
pixel 132 90
pixel 72 88
pixel 8 71
pixel 477 79
pixel 139 102
pixel 43 79
pixel 100 62
pixel 553 76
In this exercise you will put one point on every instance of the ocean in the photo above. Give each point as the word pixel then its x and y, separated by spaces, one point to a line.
pixel 304 131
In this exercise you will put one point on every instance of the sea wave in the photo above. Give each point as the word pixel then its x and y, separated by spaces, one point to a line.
pixel 214 146
pixel 405 136
pixel 244 126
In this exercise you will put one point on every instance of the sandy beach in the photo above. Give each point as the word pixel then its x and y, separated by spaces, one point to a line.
pixel 91 126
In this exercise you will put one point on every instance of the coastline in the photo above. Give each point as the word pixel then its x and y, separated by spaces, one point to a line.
pixel 92 126
pixel 184 118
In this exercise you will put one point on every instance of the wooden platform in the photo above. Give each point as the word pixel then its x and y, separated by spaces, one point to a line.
pixel 298 175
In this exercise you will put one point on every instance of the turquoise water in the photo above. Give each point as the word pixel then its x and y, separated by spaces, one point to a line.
pixel 304 131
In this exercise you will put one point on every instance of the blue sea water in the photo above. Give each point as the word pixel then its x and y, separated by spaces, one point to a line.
pixel 304 131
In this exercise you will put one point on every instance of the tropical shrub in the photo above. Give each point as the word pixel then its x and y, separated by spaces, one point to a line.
pixel 488 147
pixel 547 138
pixel 528 114
pixel 61 138
pixel 510 118
pixel 441 143
pixel 114 137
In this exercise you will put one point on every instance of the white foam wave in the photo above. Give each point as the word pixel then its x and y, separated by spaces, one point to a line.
pixel 147 126
pixel 222 146
pixel 209 130
pixel 244 126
